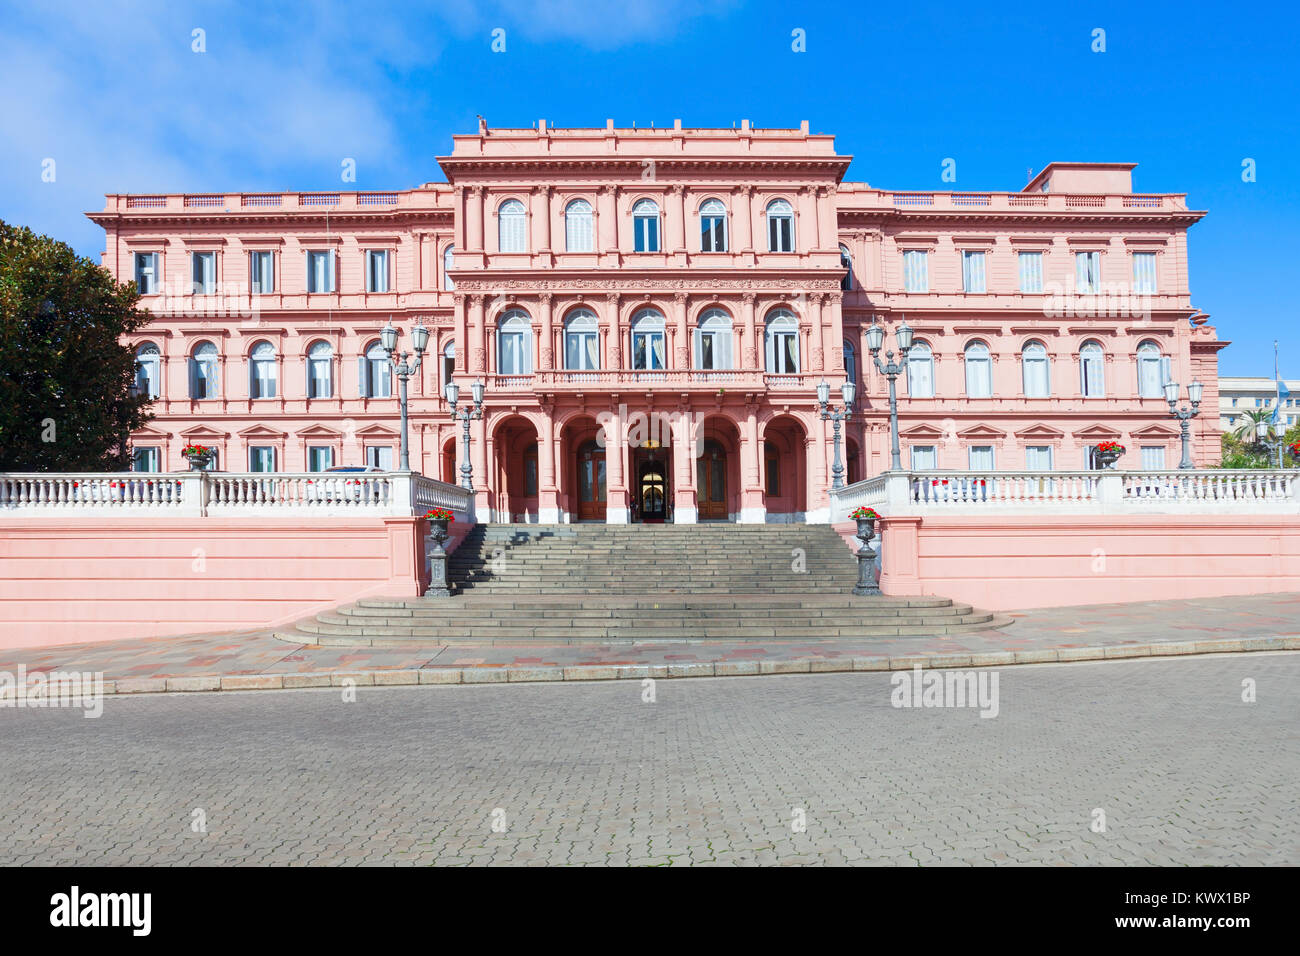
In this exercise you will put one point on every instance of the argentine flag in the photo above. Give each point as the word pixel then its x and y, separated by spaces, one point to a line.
pixel 1282 392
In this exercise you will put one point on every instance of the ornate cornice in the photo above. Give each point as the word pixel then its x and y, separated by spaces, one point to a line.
pixel 615 285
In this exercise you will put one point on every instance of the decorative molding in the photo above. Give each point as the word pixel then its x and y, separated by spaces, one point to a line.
pixel 647 284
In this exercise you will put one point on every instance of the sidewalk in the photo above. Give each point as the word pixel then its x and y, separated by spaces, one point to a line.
pixel 257 660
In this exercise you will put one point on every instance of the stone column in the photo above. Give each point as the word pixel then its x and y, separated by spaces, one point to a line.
pixel 606 220
pixel 616 503
pixel 459 333
pixel 685 506
pixel 547 354
pixel 478 439
pixel 542 220
pixel 753 502
pixel 615 343
pixel 548 504
pixel 752 362
pixel 677 219
pixel 474 219
pixel 818 475
pixel 817 361
pixel 682 358
pixel 744 231
pixel 477 349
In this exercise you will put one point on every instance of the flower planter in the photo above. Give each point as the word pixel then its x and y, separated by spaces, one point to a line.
pixel 866 528
pixel 1108 460
pixel 198 462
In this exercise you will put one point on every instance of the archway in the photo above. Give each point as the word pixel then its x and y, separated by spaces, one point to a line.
pixel 785 469
pixel 583 491
pixel 717 471
pixel 514 485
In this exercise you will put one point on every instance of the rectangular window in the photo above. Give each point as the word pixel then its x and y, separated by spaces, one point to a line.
pixel 780 233
pixel 924 458
pixel 1031 271
pixel 1038 457
pixel 261 272
pixel 514 354
pixel 320 457
pixel 261 458
pixel 320 270
pixel 204 272
pixel 647 233
pixel 713 234
pixel 647 350
pixel 146 459
pixel 1087 273
pixel 1144 272
pixel 1153 457
pixel 981 457
pixel 380 456
pixel 916 271
pixel 376 270
pixel 972 272
pixel 319 380
pixel 146 272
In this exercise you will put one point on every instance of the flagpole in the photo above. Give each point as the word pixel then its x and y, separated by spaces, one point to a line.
pixel 1277 409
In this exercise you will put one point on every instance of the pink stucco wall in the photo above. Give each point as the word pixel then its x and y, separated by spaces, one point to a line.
pixel 64 580
pixel 1018 562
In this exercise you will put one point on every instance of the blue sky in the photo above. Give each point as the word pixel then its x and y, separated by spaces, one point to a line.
pixel 114 94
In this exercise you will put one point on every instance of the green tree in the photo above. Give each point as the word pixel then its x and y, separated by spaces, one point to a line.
pixel 65 376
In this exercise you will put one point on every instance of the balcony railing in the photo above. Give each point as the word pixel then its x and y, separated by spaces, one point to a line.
pixel 226 494
pixel 1195 491
pixel 1059 201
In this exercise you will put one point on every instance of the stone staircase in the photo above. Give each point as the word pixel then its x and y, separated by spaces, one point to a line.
pixel 564 584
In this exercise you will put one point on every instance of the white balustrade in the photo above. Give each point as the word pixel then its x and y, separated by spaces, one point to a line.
pixel 228 494
pixel 1107 492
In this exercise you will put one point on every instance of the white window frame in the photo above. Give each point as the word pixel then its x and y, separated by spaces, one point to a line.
pixel 782 326
pixel 1031 357
pixel 579 226
pixel 1152 457
pixel 313 456
pixel 971 452
pixel 146 268
pixel 151 455
pixel 921 356
pixel 258 453
pixel 1152 370
pixel 205 355
pixel 376 379
pixel 916 270
pixel 1044 450
pixel 581 341
pixel 645 226
pixel 1092 354
pixel 261 271
pixel 1087 272
pixel 780 226
pixel 148 369
pixel 203 273
pixel 1145 280
pixel 512 226
pixel 320 354
pixel 514 342
pixel 262 386
pixel 918 454
pixel 1030 266
pixel 846 263
pixel 977 356
pixel 649 325
pixel 448 263
pixel 714 209
pixel 380 456
pixel 321 265
pixel 974 272
pixel 714 337
pixel 377 270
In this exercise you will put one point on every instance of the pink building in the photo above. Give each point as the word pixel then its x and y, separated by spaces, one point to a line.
pixel 651 312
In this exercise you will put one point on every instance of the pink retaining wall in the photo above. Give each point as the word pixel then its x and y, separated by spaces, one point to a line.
pixel 1018 562
pixel 72 581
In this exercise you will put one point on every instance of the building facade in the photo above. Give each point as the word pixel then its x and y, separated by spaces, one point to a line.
pixel 651 312
pixel 1239 395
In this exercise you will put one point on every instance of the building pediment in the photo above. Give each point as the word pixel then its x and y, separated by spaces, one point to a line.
pixel 319 431
pixel 982 431
pixel 203 431
pixel 1155 430
pixel 1098 431
pixel 1040 430
pixel 376 431
pixel 921 431
pixel 260 431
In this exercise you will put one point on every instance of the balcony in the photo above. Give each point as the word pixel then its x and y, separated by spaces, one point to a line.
pixel 575 380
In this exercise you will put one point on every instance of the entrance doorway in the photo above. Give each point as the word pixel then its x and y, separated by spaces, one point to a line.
pixel 711 482
pixel 591 482
pixel 652 492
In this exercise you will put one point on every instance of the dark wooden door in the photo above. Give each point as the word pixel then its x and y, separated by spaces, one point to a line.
pixel 711 482
pixel 591 482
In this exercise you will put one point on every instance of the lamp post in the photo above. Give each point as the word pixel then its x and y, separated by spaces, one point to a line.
pixel 404 370
pixel 891 370
pixel 1185 416
pixel 847 392
pixel 466 415
pixel 1274 444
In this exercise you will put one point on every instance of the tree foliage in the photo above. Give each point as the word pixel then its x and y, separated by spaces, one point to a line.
pixel 65 374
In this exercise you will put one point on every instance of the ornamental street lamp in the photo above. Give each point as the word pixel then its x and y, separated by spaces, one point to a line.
pixel 452 393
pixel 847 391
pixel 1185 415
pixel 404 370
pixel 891 370
pixel 1271 442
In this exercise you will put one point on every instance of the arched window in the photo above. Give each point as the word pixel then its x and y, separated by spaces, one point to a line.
pixel 578 235
pixel 1153 370
pixel 261 371
pixel 203 371
pixel 846 262
pixel 1092 381
pixel 581 340
pixel 851 362
pixel 782 339
pixel 713 226
pixel 1038 382
pixel 514 344
pixel 148 370
pixel 320 370
pixel 376 374
pixel 979 371
pixel 780 226
pixel 920 371
pixel 512 227
pixel 648 340
pixel 713 340
pixel 448 263
pixel 645 226
pixel 448 364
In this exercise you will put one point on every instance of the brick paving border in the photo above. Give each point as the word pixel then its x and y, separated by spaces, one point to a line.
pixel 601 672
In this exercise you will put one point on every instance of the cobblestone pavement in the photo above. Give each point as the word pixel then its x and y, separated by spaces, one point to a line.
pixel 1252 618
pixel 713 771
